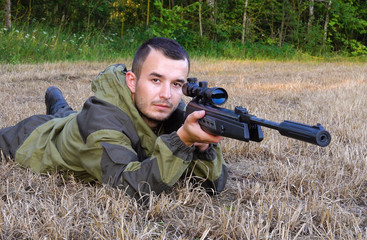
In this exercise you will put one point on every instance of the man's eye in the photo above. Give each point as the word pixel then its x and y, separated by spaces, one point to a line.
pixel 155 80
pixel 177 84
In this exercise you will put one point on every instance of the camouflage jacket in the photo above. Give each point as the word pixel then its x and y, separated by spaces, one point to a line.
pixel 107 140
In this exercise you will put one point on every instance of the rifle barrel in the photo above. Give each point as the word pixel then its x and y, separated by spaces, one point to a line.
pixel 313 134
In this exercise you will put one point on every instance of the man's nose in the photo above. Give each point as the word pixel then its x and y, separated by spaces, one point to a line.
pixel 165 91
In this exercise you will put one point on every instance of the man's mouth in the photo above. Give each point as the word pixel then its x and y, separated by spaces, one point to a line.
pixel 161 105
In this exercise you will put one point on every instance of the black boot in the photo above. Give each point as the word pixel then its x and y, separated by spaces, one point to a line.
pixel 54 100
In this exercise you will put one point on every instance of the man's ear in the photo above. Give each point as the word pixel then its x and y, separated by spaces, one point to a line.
pixel 131 81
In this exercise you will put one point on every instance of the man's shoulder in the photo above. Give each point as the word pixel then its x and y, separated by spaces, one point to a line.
pixel 120 67
pixel 101 115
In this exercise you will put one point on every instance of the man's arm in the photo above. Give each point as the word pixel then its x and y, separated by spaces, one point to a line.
pixel 121 166
pixel 208 165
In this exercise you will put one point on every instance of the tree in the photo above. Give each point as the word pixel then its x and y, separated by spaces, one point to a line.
pixel 148 11
pixel 283 24
pixel 200 22
pixel 212 5
pixel 326 24
pixel 311 15
pixel 7 8
pixel 244 22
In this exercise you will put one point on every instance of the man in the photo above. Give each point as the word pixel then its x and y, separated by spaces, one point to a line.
pixel 131 134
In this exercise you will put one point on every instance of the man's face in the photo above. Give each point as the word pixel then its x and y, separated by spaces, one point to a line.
pixel 158 91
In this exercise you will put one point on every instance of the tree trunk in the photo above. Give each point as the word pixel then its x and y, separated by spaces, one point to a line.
pixel 281 32
pixel 7 8
pixel 299 24
pixel 244 22
pixel 148 11
pixel 326 22
pixel 310 15
pixel 211 4
pixel 200 23
pixel 30 11
pixel 161 17
pixel 122 20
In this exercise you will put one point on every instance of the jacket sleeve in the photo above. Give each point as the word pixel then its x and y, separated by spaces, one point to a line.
pixel 121 166
pixel 210 169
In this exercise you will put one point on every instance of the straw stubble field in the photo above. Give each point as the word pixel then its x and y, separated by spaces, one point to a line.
pixel 277 189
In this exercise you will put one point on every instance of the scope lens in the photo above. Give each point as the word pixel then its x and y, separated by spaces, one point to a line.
pixel 219 96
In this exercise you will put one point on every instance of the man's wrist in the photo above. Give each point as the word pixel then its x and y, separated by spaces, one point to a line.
pixel 177 146
pixel 201 146
pixel 184 138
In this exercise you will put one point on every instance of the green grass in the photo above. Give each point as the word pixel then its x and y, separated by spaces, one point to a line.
pixel 32 45
pixel 39 43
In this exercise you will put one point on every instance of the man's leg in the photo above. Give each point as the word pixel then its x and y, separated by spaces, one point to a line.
pixel 11 138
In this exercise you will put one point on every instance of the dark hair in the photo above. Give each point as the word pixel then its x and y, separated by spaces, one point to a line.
pixel 168 47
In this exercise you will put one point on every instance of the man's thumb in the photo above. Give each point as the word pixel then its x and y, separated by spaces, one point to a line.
pixel 197 115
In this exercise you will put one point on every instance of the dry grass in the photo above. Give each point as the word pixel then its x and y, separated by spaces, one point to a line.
pixel 278 189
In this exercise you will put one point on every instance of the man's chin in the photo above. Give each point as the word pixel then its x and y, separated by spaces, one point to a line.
pixel 158 118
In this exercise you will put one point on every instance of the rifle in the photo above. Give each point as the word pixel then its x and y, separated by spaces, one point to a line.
pixel 239 124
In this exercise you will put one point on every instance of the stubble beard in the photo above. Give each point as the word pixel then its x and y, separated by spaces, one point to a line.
pixel 150 118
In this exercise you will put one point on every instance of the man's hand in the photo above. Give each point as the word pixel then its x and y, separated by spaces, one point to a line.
pixel 191 133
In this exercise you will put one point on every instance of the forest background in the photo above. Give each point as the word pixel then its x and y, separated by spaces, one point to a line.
pixel 44 31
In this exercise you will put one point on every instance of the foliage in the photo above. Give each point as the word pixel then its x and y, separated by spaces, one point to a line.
pixel 274 25
pixel 345 23
pixel 78 15
pixel 170 23
pixel 28 44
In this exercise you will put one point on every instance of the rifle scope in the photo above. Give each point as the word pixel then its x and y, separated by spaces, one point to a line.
pixel 215 95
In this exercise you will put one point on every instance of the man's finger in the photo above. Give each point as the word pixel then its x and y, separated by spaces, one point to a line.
pixel 194 116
